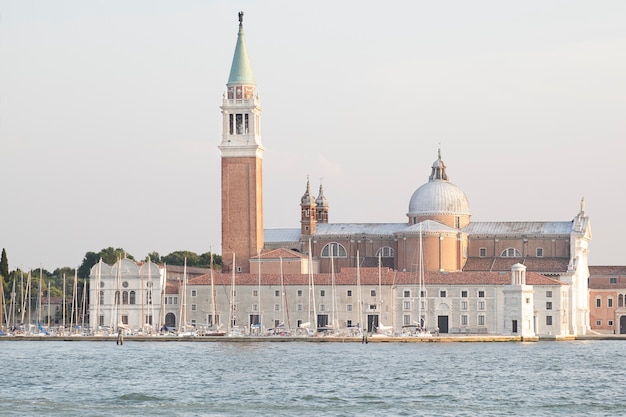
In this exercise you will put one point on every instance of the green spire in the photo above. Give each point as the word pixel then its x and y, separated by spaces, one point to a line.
pixel 241 70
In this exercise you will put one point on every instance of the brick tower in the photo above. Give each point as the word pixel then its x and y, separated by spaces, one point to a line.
pixel 242 163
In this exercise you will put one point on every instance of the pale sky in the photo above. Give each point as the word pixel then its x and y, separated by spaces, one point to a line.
pixel 110 118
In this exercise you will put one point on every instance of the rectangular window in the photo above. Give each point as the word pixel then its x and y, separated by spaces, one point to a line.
pixel 276 307
pixel 349 293
pixel 255 307
pixel 481 320
pixel 255 293
pixel 423 293
pixel 322 293
pixel 610 322
pixel 406 320
pixel 231 124
pixel 598 302
pixel 149 319
pixel 124 319
pixel 373 293
pixel 407 293
pixel 175 300
pixel 598 322
pixel 464 320
pixel 463 305
pixel 277 293
pixel 247 126
pixel 372 307
pixel 299 293
pixel 298 307
pixel 193 323
pixel 464 293
pixel 407 305
pixel 548 294
pixel 239 123
pixel 612 280
pixel 483 252
pixel 194 293
pixel 481 305
pixel 322 307
pixel 539 252
pixel 609 302
pixel 549 305
pixel 548 320
pixel 348 307
pixel 442 293
pixel 349 323
pixel 194 307
pixel 481 294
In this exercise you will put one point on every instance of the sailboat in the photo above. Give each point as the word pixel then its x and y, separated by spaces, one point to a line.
pixel 421 330
pixel 215 331
pixel 312 309
pixel 382 329
pixel 233 328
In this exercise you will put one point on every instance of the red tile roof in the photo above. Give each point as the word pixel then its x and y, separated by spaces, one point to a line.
pixel 369 276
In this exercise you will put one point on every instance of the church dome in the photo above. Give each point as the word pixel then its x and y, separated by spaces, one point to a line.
pixel 438 196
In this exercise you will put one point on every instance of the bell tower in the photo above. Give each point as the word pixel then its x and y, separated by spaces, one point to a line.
pixel 242 163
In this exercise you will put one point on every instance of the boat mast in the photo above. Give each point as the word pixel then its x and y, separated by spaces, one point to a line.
pixel 214 297
pixel 312 289
pixel 259 293
pixel 421 283
pixel 358 289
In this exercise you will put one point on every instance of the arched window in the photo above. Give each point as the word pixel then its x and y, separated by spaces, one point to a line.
pixel 510 253
pixel 132 297
pixel 125 297
pixel 170 320
pixel 385 252
pixel 334 249
pixel 117 297
pixel 620 300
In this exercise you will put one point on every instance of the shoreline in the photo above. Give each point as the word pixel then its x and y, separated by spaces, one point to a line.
pixel 326 339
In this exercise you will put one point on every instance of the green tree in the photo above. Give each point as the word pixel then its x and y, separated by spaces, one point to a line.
pixel 4 266
pixel 154 257
pixel 108 256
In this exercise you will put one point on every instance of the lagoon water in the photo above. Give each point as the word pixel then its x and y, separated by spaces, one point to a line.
pixel 312 379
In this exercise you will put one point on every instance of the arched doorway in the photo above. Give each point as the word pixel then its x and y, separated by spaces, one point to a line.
pixel 622 325
pixel 170 320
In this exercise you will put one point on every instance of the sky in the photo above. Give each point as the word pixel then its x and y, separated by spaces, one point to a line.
pixel 110 118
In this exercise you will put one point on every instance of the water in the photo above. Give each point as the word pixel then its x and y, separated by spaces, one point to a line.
pixel 311 379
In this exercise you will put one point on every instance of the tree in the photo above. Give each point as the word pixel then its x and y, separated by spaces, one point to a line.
pixel 154 257
pixel 4 265
pixel 108 256
pixel 4 271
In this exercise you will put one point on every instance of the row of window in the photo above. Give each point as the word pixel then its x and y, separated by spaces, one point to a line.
pixel 510 253
pixel 609 301
pixel 128 297
pixel 609 323
pixel 125 284
pixel 148 319
pixel 337 250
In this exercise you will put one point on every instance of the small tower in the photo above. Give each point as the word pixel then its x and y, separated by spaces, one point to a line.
pixel 242 163
pixel 307 215
pixel 519 305
pixel 321 210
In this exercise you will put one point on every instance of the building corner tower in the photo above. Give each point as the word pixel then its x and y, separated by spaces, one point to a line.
pixel 242 167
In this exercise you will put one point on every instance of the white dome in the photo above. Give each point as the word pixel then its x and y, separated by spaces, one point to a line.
pixel 438 197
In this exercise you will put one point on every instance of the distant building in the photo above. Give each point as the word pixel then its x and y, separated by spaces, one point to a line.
pixel 127 294
pixel 459 257
pixel 607 294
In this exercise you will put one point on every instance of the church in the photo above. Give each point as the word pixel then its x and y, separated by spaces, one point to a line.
pixel 436 235
pixel 434 268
